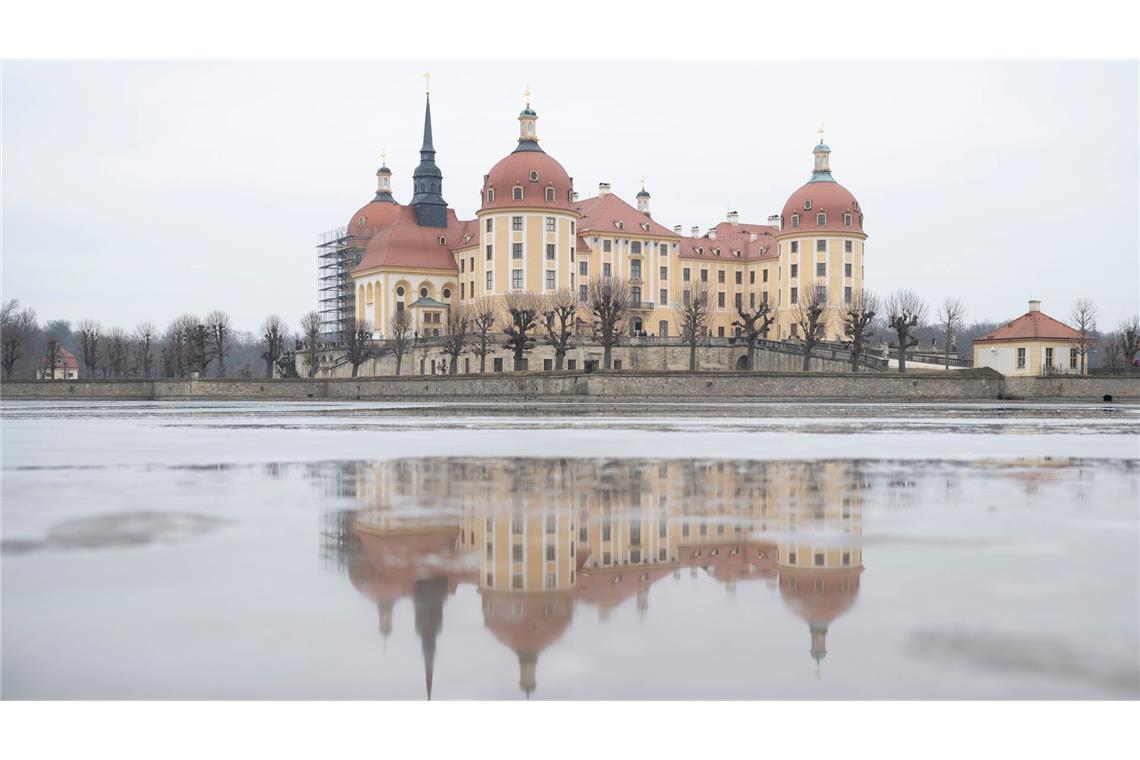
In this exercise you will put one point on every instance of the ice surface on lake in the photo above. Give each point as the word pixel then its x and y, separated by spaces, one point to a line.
pixel 570 550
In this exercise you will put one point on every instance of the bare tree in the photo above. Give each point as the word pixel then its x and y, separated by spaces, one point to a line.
pixel 560 326
pixel 859 323
pixel 17 329
pixel 221 337
pixel 201 347
pixel 89 335
pixel 523 310
pixel 421 347
pixel 1129 340
pixel 483 322
pixel 401 330
pixel 117 354
pixel 693 316
pixel 311 336
pixel 905 312
pixel 456 339
pixel 1112 358
pixel 1084 319
pixel 755 323
pixel 810 315
pixel 358 344
pixel 53 357
pixel 950 313
pixel 607 302
pixel 143 349
pixel 273 332
pixel 176 346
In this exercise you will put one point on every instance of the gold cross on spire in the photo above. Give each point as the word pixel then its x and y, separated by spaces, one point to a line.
pixel 820 130
pixel 526 94
pixel 383 157
pixel 427 82
pixel 642 181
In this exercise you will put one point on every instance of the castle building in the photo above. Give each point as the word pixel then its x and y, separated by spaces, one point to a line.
pixel 532 233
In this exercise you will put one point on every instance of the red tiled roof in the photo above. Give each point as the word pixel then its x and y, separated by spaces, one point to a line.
pixel 515 169
pixel 830 198
pixel 601 213
pixel 373 217
pixel 404 243
pixel 1030 326
pixel 733 237
pixel 65 360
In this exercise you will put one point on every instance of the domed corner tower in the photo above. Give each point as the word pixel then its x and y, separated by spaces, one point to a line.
pixel 527 222
pixel 821 244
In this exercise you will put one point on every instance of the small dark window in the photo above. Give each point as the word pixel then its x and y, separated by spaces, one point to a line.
pixel 447 292
pixel 550 195
pixel 423 292
pixel 533 176
pixel 490 199
pixel 517 193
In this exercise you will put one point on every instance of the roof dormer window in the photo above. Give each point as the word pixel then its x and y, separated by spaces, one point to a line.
pixel 442 240
pixel 620 225
pixel 550 195
pixel 856 206
pixel 533 176
pixel 517 193
pixel 846 220
pixel 701 250
pixel 821 218
pixel 795 220
pixel 645 226
pixel 736 254
pixel 807 205
pixel 716 251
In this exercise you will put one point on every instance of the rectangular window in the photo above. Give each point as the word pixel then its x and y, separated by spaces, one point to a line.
pixel 740 278
pixel 516 579
pixel 516 278
pixel 635 246
pixel 821 245
pixel 607 246
pixel 764 276
pixel 795 246
pixel 516 222
pixel 818 559
pixel 664 300
pixel 617 363
pixel 794 297
pixel 550 224
pixel 490 280
pixel 1073 356
pixel 704 275
pixel 685 298
pixel 550 251
pixel 720 276
pixel 821 218
pixel 664 273
pixel 582 293
pixel 550 577
pixel 752 277
pixel 738 299
pixel 605 270
pixel 490 224
pixel 490 252
pixel 550 280
pixel 794 271
pixel 517 553
pixel 846 270
pixel 764 296
pixel 795 220
pixel 847 246
pixel 720 299
pixel 571 364
pixel 497 365
pixel 635 270
pixel 847 294
pixel 462 265
pixel 583 268
pixel 820 269
pixel 846 220
pixel 1049 358
pixel 1021 358
pixel 516 250
pixel 685 274
pixel 462 289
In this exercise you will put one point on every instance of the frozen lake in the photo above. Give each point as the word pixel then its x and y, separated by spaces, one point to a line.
pixel 570 550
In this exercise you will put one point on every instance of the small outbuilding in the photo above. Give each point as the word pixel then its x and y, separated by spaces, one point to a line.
pixel 1033 344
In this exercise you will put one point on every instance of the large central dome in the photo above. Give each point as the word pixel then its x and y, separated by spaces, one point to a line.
pixel 528 177
pixel 822 195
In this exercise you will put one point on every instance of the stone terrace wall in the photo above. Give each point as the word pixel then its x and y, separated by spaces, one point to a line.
pixel 959 385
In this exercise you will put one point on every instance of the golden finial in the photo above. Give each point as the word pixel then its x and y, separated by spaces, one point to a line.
pixel 383 157
pixel 820 130
pixel 427 82
pixel 642 181
pixel 526 95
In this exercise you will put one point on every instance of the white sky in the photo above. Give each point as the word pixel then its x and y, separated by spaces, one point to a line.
pixel 140 190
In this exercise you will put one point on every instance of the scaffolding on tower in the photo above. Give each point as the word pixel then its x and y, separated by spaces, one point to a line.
pixel 338 252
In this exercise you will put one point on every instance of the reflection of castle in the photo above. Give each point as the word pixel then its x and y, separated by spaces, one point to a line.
pixel 537 536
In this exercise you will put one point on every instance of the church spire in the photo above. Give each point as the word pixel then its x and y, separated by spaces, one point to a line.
pixel 822 168
pixel 384 181
pixel 528 137
pixel 427 180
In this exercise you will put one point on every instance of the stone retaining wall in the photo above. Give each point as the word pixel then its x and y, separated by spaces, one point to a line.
pixel 960 385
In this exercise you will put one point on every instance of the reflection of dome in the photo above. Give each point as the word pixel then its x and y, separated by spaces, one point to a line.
pixel 533 171
pixel 528 623
pixel 819 596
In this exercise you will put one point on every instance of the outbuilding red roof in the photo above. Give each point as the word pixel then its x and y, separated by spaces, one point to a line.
pixel 1031 325
pixel 602 213
pixel 752 241
pixel 64 360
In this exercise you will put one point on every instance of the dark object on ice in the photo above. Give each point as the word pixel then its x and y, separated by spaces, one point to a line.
pixel 1107 398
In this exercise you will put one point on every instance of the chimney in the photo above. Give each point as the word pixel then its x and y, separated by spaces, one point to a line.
pixel 774 221
pixel 603 189
pixel 733 217
pixel 1034 306
pixel 696 231
pixel 676 229
pixel 752 237
pixel 574 196
pixel 712 233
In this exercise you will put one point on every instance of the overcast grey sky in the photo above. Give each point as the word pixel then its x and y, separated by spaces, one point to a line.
pixel 139 190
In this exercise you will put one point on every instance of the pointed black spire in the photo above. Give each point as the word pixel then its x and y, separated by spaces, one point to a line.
pixel 428 599
pixel 427 181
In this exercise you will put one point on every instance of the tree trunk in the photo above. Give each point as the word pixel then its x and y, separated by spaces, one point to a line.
pixel 483 358
pixel 355 368
pixel 607 357
pixel 855 357
pixel 312 364
pixel 947 348
pixel 559 356
pixel 454 361
pixel 751 354
pixel 902 354
pixel 692 356
pixel 399 361
pixel 807 357
pixel 268 369
pixel 518 359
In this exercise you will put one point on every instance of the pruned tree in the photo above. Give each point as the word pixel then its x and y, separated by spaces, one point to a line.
pixel 142 349
pixel 456 338
pixel 693 316
pixel 201 347
pixel 1128 337
pixel 358 344
pixel 311 338
pixel 118 352
pixel 421 347
pixel 401 335
pixel 273 332
pixel 950 314
pixel 755 322
pixel 1112 358
pixel 89 335
pixel 560 328
pixel 811 317
pixel 859 323
pixel 608 302
pixel 17 331
pixel 1084 320
pixel 221 337
pixel 53 357
pixel 523 310
pixel 176 346
pixel 905 312
pixel 483 316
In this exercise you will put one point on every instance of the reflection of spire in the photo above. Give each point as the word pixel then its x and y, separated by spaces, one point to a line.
pixel 385 619
pixel 428 598
pixel 818 641
pixel 528 663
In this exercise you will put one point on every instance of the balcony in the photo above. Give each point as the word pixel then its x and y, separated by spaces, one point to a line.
pixel 640 305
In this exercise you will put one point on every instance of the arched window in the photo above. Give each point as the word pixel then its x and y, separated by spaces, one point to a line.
pixel 490 195
pixel 447 292
pixel 821 218
pixel 517 193
pixel 550 194
pixel 795 220
pixel 846 220
pixel 423 292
